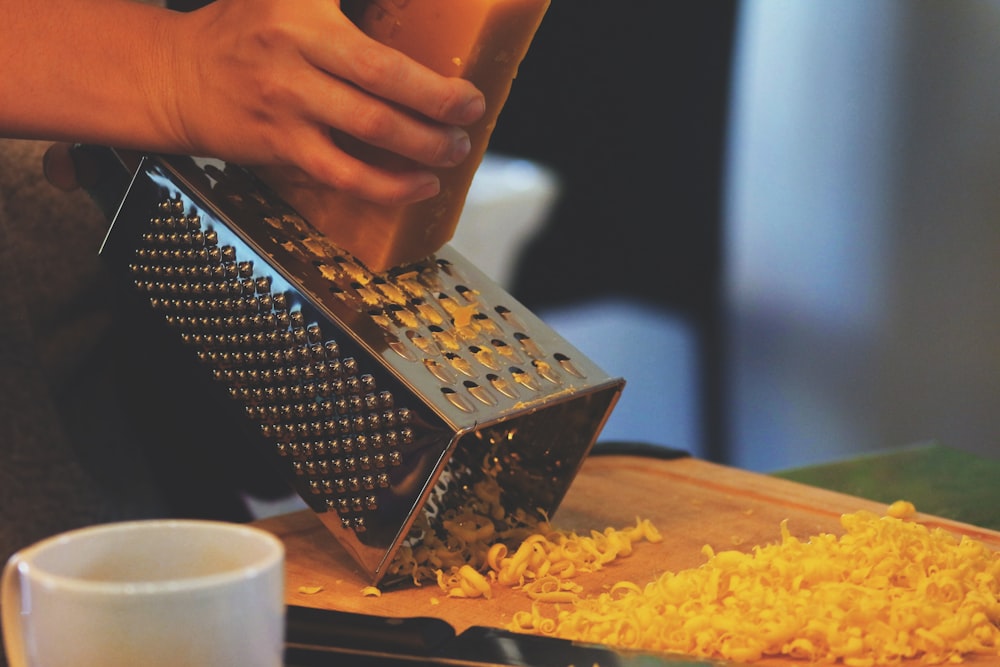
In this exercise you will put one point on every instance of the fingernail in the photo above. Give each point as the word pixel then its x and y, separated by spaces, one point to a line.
pixel 473 110
pixel 460 147
pixel 426 191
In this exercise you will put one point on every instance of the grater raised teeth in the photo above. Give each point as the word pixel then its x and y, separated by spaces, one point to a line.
pixel 383 397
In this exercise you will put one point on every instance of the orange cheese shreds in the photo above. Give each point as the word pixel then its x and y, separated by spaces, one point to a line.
pixel 544 561
pixel 464 582
pixel 565 554
pixel 886 590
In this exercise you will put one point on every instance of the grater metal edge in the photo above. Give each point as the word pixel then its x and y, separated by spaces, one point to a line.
pixel 383 397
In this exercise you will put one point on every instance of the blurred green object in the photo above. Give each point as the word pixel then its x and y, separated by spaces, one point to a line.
pixel 938 480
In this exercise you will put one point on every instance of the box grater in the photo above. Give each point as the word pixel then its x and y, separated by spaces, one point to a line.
pixel 382 397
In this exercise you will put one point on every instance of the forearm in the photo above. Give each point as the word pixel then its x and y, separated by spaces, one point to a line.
pixel 89 70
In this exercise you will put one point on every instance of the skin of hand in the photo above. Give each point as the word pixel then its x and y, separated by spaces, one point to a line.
pixel 267 83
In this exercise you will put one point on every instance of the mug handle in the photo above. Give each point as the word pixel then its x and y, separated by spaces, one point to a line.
pixel 10 606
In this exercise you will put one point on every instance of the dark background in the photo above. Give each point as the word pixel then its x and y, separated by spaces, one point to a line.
pixel 628 104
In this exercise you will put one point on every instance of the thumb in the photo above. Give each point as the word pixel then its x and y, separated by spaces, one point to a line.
pixel 67 169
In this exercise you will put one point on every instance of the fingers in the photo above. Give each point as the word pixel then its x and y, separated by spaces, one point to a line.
pixel 281 78
pixel 59 168
pixel 384 98
pixel 327 164
pixel 372 121
pixel 389 75
pixel 358 120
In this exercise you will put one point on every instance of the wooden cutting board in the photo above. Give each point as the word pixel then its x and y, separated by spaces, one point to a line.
pixel 692 503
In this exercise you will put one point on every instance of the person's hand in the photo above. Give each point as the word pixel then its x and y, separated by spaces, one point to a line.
pixel 269 84
pixel 262 82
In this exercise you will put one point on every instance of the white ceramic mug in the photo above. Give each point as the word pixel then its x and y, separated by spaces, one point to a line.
pixel 156 593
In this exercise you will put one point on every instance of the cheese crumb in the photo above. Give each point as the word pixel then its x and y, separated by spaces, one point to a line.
pixel 901 509
pixel 310 590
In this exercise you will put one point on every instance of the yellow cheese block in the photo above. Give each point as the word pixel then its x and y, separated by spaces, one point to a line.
pixel 483 41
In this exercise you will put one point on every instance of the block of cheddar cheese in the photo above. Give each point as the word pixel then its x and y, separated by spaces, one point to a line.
pixel 483 41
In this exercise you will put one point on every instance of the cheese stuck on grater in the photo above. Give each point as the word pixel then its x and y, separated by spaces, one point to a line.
pixel 483 41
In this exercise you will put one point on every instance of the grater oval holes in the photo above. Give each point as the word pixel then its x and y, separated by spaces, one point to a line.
pixel 367 295
pixel 509 317
pixel 399 347
pixel 449 304
pixel 381 319
pixel 449 268
pixel 485 357
pixel 391 292
pixel 466 328
pixel 529 345
pixel 466 293
pixel 460 364
pixel 445 339
pixel 486 324
pixel 347 297
pixel 523 378
pixel 457 400
pixel 567 365
pixel 424 345
pixel 440 372
pixel 502 385
pixel 331 272
pixel 547 371
pixel 427 312
pixel 480 393
pixel 402 316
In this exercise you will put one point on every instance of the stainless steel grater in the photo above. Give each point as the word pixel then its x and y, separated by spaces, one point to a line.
pixel 383 397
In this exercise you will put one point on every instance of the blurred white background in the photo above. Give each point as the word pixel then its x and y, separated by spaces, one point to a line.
pixel 864 228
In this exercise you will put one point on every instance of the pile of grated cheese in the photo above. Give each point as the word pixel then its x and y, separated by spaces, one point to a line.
pixel 886 590
pixel 545 563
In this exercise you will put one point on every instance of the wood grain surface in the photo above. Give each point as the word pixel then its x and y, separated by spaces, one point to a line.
pixel 692 502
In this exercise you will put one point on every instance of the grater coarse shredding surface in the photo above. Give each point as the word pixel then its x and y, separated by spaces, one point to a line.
pixel 383 397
